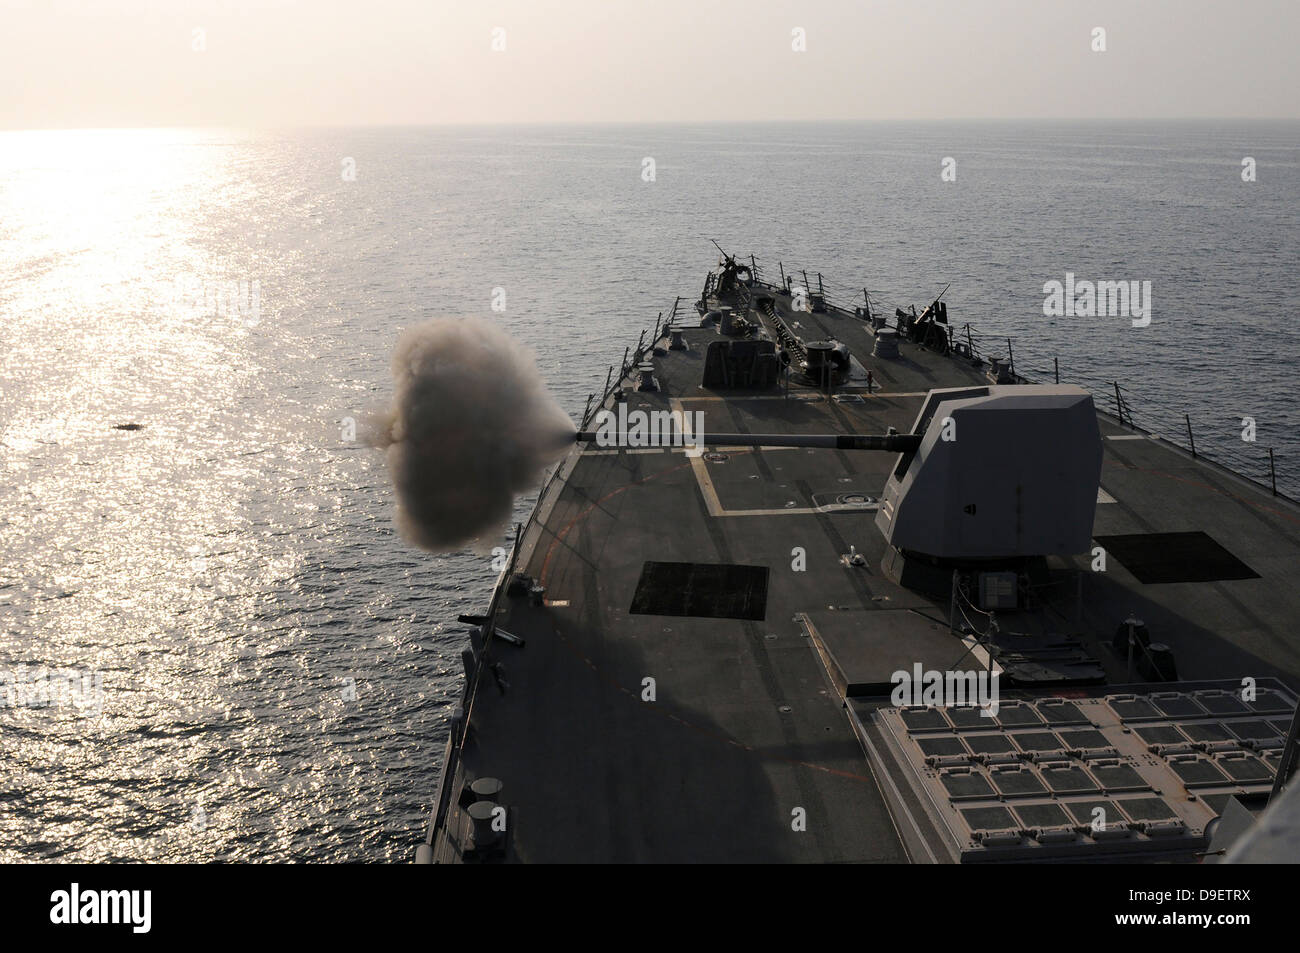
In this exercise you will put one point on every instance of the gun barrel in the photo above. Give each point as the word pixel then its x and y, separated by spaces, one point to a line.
pixel 889 443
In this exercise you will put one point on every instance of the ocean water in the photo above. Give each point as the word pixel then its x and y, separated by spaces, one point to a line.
pixel 213 645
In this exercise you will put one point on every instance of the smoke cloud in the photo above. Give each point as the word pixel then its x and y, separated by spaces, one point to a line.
pixel 472 425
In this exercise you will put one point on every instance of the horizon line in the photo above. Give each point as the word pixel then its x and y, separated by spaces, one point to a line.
pixel 428 124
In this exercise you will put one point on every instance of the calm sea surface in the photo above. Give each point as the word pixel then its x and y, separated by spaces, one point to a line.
pixel 261 669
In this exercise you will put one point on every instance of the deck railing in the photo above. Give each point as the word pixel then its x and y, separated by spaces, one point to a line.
pixel 631 358
pixel 1244 458
pixel 1144 414
pixel 474 680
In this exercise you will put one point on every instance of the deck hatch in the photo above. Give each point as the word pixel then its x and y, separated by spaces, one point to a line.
pixel 703 590
pixel 1175 705
pixel 1083 811
pixel 1175 557
pixel 1061 713
pixel 1242 767
pixel 1206 732
pixel 1018 782
pixel 1082 738
pixel 940 745
pixel 923 719
pixel 990 744
pixel 966 785
pixel 1160 734
pixel 987 818
pixel 1042 815
pixel 1068 778
pixel 1038 741
pixel 1253 730
pixel 1147 809
pixel 1119 777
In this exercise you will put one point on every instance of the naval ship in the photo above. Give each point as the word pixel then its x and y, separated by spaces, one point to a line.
pixel 874 597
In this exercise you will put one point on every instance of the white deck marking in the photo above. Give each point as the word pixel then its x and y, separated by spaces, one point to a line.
pixel 615 451
pixel 810 397
pixel 716 508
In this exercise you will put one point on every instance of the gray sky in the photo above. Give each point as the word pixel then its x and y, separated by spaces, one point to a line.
pixel 90 63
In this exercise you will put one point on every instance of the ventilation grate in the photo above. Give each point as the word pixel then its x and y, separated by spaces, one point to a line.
pixel 704 590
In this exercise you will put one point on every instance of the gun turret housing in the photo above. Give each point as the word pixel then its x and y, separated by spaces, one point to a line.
pixel 1001 472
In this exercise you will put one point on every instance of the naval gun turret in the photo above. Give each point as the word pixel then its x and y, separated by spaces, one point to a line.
pixel 1002 475
pixel 731 276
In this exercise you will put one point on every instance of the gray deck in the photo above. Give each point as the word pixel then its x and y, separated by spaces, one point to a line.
pixel 749 723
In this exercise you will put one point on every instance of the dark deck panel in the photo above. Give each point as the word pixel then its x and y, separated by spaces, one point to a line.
pixel 866 647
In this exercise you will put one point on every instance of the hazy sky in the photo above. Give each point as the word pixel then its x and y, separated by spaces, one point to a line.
pixel 76 63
